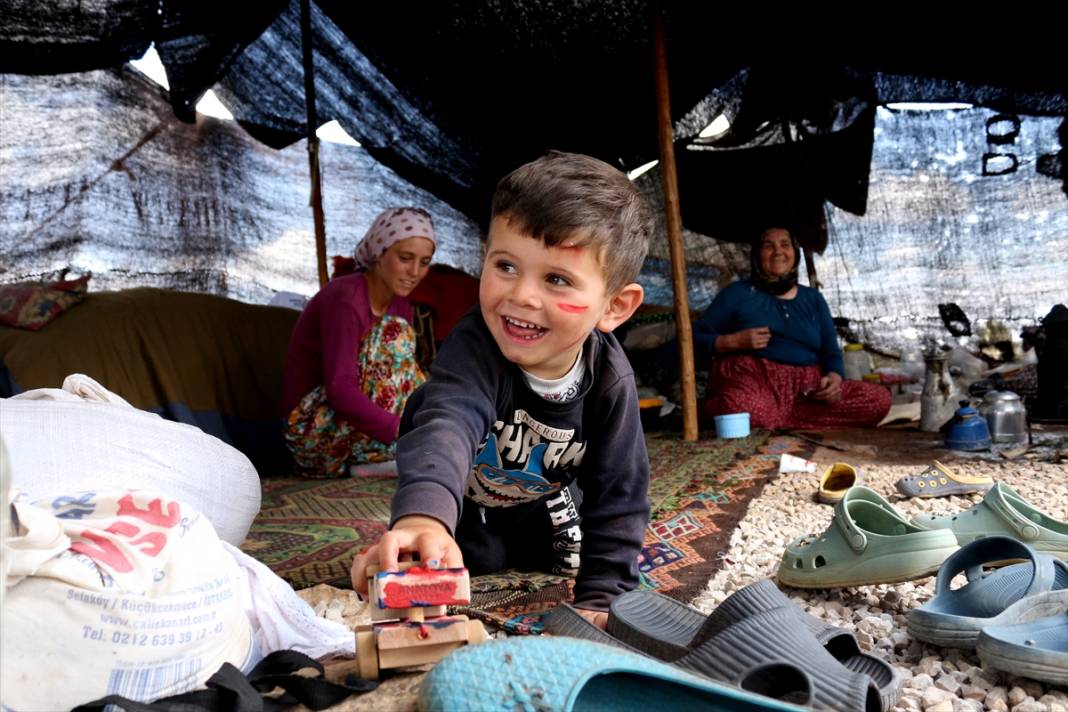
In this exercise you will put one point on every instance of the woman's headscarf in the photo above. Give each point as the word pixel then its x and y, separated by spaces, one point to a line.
pixel 390 227
pixel 765 283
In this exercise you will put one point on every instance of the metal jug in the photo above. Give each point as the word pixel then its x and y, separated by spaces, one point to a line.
pixel 938 402
pixel 1005 415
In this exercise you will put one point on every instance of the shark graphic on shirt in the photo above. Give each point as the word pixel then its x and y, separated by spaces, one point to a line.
pixel 491 485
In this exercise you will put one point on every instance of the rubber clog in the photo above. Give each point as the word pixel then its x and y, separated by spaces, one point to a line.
pixel 836 481
pixel 744 652
pixel 1037 649
pixel 940 481
pixel 954 617
pixel 568 674
pixel 1003 512
pixel 867 542
pixel 669 629
pixel 781 681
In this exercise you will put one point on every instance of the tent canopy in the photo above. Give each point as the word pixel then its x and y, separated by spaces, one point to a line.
pixel 453 94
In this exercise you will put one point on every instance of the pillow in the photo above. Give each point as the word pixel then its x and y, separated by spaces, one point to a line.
pixel 343 266
pixel 31 305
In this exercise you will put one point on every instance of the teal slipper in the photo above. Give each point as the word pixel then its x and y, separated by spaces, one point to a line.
pixel 570 674
pixel 953 618
pixel 1037 649
pixel 1004 512
pixel 868 542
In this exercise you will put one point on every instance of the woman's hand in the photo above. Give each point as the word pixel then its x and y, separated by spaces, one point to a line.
pixel 746 340
pixel 830 388
pixel 424 535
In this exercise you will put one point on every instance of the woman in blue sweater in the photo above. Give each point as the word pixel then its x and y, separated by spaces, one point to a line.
pixel 776 353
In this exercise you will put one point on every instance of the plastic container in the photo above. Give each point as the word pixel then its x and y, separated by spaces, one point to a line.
pixel 857 362
pixel 732 425
pixel 969 431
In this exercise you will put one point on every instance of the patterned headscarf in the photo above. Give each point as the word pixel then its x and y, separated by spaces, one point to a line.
pixel 765 283
pixel 390 227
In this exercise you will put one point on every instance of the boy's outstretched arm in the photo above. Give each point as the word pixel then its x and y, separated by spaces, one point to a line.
pixel 425 536
pixel 443 424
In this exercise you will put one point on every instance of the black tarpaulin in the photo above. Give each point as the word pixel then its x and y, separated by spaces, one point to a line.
pixel 61 36
pixel 113 183
pixel 452 94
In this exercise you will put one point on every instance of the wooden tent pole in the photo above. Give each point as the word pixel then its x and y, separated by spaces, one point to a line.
pixel 313 141
pixel 669 179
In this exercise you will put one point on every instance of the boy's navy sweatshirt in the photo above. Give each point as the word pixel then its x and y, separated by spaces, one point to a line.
pixel 476 435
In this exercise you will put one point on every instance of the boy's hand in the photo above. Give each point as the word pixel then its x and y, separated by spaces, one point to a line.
pixel 424 535
pixel 598 618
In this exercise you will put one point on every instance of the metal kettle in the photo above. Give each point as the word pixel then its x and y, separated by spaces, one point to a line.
pixel 1005 416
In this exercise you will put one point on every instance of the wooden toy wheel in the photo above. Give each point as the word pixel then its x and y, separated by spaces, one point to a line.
pixel 367 654
pixel 476 632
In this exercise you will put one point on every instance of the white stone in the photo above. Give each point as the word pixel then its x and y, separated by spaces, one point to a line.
pixel 920 681
pixel 930 665
pixel 835 607
pixel 948 683
pixel 995 695
pixel 1033 688
pixel 945 705
pixel 1017 695
pixel 1054 697
pixel 933 695
pixel 910 703
pixel 1029 705
pixel 973 692
pixel 960 705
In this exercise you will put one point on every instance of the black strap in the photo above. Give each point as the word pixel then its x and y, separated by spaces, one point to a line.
pixel 230 691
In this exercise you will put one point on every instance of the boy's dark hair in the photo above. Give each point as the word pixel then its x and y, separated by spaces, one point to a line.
pixel 569 196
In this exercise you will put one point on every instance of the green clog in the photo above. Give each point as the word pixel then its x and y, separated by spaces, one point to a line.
pixel 868 542
pixel 1003 512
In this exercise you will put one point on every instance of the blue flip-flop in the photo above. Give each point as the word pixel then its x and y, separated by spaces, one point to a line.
pixel 953 618
pixel 1037 649
pixel 568 674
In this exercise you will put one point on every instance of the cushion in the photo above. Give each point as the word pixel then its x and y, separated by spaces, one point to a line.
pixel 31 305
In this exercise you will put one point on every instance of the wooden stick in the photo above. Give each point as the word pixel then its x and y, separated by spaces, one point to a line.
pixel 673 217
pixel 313 141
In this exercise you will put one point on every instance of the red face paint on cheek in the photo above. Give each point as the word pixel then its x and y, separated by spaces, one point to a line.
pixel 572 308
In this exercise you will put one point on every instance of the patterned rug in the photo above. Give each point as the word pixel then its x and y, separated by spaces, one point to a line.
pixel 309 530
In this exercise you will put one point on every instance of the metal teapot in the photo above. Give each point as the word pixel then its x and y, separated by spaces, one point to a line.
pixel 938 402
pixel 1005 415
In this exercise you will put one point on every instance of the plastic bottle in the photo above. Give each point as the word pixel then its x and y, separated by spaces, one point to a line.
pixel 857 361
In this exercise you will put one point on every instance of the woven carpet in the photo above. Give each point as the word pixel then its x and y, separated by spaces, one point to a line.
pixel 309 530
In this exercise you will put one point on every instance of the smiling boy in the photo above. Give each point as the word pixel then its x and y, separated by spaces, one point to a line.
pixel 525 447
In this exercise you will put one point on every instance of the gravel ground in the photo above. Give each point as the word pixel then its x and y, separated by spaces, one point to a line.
pixel 934 679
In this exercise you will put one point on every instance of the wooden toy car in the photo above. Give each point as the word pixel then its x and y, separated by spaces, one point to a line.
pixel 408 622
